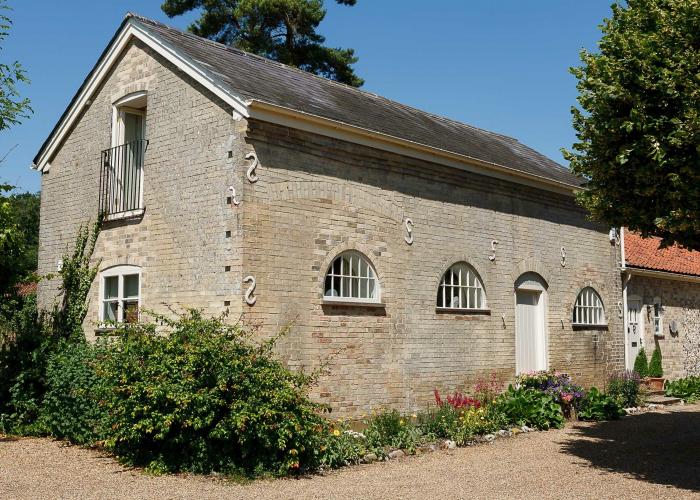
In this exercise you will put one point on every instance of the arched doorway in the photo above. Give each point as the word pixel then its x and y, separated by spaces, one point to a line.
pixel 530 323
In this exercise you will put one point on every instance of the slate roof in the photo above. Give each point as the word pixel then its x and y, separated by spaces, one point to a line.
pixel 645 253
pixel 253 77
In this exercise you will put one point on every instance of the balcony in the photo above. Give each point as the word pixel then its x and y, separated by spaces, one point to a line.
pixel 121 180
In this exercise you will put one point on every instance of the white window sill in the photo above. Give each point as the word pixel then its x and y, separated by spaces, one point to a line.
pixel 347 302
pixel 461 310
pixel 131 214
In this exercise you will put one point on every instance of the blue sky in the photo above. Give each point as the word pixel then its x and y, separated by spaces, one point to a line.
pixel 499 65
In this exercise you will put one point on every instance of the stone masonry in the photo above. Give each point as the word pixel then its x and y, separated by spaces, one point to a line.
pixel 315 198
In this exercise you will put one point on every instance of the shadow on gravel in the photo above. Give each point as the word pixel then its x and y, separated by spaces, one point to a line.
pixel 662 448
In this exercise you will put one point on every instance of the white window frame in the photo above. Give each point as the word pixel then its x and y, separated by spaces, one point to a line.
pixel 589 309
pixel 342 277
pixel 119 109
pixel 119 271
pixel 462 284
pixel 657 320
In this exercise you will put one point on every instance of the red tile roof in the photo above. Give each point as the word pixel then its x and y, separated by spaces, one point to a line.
pixel 645 253
pixel 25 289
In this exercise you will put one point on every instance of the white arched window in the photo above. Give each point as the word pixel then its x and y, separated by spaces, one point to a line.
pixel 461 288
pixel 120 294
pixel 588 309
pixel 351 278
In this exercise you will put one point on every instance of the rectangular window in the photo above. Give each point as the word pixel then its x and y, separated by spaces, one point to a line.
pixel 658 314
pixel 121 295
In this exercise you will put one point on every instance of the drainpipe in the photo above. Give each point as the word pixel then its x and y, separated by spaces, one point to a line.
pixel 626 277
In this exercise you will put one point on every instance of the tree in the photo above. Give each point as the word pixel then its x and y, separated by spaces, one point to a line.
pixel 13 108
pixel 638 124
pixel 283 30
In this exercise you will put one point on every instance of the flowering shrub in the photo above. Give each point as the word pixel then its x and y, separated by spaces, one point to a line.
pixel 529 406
pixel 474 422
pixel 556 384
pixel 342 446
pixel 486 390
pixel 623 387
pixel 456 400
pixel 598 406
pixel 390 430
pixel 440 423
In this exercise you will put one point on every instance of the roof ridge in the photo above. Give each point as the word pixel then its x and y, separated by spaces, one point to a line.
pixel 267 60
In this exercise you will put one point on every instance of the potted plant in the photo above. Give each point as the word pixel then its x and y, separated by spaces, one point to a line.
pixel 641 365
pixel 655 374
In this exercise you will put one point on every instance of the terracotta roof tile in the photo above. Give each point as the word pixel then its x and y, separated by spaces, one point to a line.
pixel 645 253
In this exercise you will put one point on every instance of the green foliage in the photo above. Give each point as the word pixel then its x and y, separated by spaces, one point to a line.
pixel 283 30
pixel 201 396
pixel 687 388
pixel 531 407
pixel 390 430
pixel 624 388
pixel 598 406
pixel 77 276
pixel 638 125
pixel 13 108
pixel 655 366
pixel 641 365
pixel 441 422
pixel 30 338
pixel 342 447
pixel 70 407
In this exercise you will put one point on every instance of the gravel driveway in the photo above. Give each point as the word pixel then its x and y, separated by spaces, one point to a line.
pixel 652 455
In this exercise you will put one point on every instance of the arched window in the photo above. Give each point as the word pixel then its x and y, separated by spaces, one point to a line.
pixel 588 309
pixel 461 288
pixel 351 278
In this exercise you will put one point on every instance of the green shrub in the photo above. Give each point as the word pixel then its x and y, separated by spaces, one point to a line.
pixel 205 397
pixel 389 430
pixel 598 406
pixel 531 407
pixel 342 447
pixel 641 365
pixel 655 365
pixel 624 388
pixel 687 388
pixel 70 408
pixel 441 422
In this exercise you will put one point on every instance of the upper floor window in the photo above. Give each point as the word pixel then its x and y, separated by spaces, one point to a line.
pixel 120 294
pixel 588 310
pixel 351 278
pixel 121 176
pixel 461 288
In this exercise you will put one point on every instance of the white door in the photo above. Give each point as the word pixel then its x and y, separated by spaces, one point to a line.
pixel 634 330
pixel 530 340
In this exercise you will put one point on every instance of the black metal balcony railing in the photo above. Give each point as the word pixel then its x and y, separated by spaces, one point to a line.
pixel 121 178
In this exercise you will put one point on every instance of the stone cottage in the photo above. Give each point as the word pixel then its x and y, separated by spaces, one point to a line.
pixel 422 251
pixel 661 293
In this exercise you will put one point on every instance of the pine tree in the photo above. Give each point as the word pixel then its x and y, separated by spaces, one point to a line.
pixel 283 30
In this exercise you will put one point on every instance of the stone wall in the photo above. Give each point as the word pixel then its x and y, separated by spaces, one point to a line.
pixel 317 197
pixel 681 303
pixel 180 242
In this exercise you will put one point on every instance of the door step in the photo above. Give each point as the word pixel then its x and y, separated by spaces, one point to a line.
pixel 660 399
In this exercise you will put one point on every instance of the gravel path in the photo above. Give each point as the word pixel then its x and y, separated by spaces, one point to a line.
pixel 652 455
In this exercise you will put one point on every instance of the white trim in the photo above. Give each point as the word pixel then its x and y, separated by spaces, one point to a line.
pixel 288 117
pixel 129 98
pixel 623 257
pixel 663 275
pixel 132 28
pixel 119 271
pixel 352 301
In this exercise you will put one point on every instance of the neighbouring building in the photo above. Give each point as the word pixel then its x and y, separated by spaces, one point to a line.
pixel 426 251
pixel 661 291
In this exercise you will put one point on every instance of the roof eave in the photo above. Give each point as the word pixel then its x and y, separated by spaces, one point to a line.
pixel 274 113
pixel 655 273
pixel 130 28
